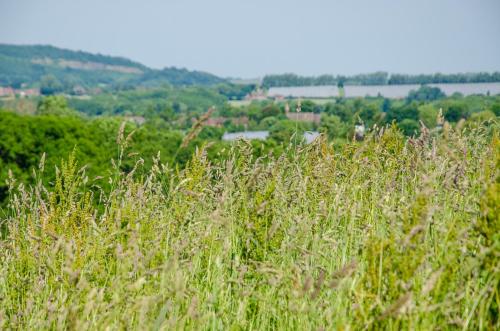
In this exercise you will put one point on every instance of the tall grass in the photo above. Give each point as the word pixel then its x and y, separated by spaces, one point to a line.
pixel 388 233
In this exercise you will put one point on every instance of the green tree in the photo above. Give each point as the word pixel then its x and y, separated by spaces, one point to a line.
pixel 398 114
pixel 425 93
pixel 49 85
pixel 386 105
pixel 409 127
pixel 307 106
pixel 211 133
pixel 283 131
pixel 369 113
pixel 55 105
pixel 168 114
pixel 455 111
pixel 495 108
pixel 270 110
pixel 428 115
pixel 333 126
pixel 341 110
pixel 267 123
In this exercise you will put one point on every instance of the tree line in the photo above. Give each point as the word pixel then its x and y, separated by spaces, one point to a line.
pixel 378 78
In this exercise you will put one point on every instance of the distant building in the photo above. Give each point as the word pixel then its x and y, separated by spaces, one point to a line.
pixel 309 136
pixel 10 92
pixel 258 95
pixel 79 90
pixel 359 132
pixel 295 92
pixel 139 120
pixel 28 92
pixel 302 116
pixel 242 120
pixel 215 121
pixel 219 121
pixel 95 91
pixel 250 135
pixel 7 92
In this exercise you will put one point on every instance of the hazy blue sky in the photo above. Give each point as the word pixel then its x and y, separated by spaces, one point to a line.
pixel 254 37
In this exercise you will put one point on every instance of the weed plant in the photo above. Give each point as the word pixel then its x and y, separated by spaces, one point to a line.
pixel 388 233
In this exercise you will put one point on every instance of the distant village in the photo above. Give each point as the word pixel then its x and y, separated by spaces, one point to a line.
pixel 7 92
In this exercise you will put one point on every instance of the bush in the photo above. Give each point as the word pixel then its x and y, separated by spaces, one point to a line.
pixel 409 127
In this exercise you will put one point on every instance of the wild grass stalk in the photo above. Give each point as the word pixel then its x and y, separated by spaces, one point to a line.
pixel 381 234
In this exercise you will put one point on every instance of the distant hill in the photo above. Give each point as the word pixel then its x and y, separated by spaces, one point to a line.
pixel 66 69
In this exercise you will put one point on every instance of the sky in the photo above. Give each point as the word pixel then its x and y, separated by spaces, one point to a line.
pixel 236 38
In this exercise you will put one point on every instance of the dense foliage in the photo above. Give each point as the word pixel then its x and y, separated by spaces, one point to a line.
pixel 24 139
pixel 378 78
pixel 162 117
pixel 167 102
pixel 389 233
pixel 480 77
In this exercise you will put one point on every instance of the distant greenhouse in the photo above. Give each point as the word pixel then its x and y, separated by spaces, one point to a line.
pixel 303 92
pixel 309 136
pixel 388 91
pixel 250 135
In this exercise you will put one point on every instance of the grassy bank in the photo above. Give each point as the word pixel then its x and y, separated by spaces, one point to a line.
pixel 388 233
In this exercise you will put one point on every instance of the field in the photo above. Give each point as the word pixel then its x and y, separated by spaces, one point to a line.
pixel 390 233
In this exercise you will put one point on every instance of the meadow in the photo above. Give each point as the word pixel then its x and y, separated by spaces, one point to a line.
pixel 388 233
